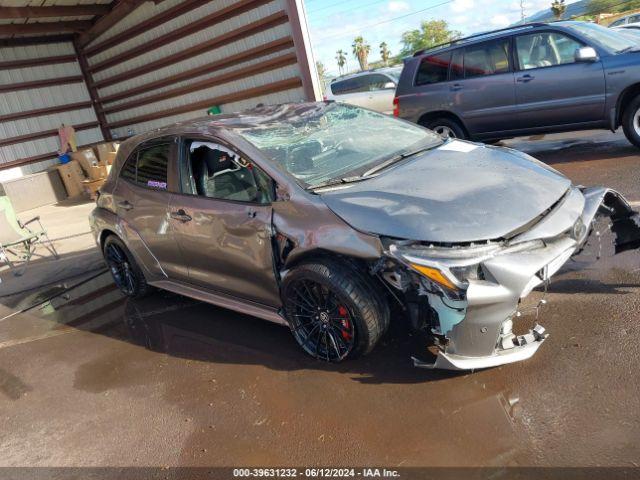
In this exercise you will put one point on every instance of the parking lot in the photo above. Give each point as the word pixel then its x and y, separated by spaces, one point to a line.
pixel 88 378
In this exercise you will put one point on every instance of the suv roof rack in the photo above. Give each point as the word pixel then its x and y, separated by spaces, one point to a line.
pixel 480 35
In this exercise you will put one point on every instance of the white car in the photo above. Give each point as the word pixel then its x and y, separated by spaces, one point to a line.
pixel 374 89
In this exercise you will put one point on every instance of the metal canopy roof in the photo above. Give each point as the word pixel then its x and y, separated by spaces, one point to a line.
pixel 42 18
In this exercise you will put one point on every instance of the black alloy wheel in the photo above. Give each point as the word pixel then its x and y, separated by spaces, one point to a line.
pixel 322 324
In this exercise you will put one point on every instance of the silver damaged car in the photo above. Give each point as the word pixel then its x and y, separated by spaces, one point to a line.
pixel 326 218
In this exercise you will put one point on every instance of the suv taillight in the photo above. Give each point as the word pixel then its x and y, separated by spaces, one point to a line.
pixel 396 107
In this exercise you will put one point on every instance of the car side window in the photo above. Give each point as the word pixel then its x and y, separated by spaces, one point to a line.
pixel 617 23
pixel 545 49
pixel 457 64
pixel 377 82
pixel 488 58
pixel 433 69
pixel 634 19
pixel 215 171
pixel 147 166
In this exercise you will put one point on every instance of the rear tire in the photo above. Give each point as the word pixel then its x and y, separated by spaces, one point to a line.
pixel 631 121
pixel 446 128
pixel 334 312
pixel 126 273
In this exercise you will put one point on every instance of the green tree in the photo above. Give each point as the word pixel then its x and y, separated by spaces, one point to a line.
pixel 384 53
pixel 430 33
pixel 321 70
pixel 596 7
pixel 361 51
pixel 558 8
pixel 341 58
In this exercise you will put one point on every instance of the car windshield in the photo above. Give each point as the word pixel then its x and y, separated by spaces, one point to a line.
pixel 335 141
pixel 610 39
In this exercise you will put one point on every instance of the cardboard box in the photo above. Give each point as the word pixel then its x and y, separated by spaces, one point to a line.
pixel 104 151
pixel 111 156
pixel 72 178
pixel 97 172
pixel 91 187
pixel 86 158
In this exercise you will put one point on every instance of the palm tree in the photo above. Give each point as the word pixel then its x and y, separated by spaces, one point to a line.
pixel 341 58
pixel 384 53
pixel 361 51
pixel 558 8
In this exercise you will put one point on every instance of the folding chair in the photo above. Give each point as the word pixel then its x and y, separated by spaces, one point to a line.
pixel 18 240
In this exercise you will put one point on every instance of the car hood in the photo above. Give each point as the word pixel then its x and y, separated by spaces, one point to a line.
pixel 459 192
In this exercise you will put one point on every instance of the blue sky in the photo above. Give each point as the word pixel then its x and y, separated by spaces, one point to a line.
pixel 333 23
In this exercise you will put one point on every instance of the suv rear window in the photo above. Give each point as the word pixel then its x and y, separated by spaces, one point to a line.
pixel 433 69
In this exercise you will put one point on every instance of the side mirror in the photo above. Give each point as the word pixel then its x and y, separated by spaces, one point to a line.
pixel 389 86
pixel 586 54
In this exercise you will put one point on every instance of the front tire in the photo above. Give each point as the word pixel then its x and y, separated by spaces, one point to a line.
pixel 126 273
pixel 334 312
pixel 446 128
pixel 631 122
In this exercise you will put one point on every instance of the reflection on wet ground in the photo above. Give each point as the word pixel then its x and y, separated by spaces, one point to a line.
pixel 88 377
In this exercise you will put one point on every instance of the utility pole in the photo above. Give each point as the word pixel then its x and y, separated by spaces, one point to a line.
pixel 523 16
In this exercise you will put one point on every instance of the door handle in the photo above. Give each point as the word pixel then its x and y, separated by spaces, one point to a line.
pixel 125 205
pixel 181 215
pixel 251 213
pixel 525 78
pixel 455 87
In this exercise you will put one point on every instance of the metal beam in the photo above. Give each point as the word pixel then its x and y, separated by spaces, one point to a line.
pixel 274 87
pixel 42 40
pixel 55 11
pixel 44 27
pixel 34 62
pixel 44 134
pixel 104 23
pixel 44 111
pixel 245 31
pixel 205 22
pixel 93 91
pixel 14 87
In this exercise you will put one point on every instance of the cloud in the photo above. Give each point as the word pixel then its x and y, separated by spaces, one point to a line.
pixel 398 6
pixel 460 6
pixel 500 20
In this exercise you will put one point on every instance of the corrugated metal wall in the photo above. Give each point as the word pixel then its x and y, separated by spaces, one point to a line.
pixel 160 64
pixel 23 100
pixel 136 98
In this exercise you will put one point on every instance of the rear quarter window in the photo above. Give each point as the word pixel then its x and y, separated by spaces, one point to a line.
pixel 433 69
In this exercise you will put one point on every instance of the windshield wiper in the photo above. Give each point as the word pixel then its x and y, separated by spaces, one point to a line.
pixel 335 181
pixel 630 48
pixel 393 160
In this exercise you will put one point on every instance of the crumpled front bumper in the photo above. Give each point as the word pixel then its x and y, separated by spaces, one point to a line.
pixel 478 331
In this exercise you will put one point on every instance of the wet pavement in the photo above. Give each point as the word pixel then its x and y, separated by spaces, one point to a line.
pixel 88 377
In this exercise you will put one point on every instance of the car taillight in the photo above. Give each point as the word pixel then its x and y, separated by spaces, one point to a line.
pixel 396 107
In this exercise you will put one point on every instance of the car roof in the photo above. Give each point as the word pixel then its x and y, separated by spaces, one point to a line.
pixel 492 34
pixel 366 72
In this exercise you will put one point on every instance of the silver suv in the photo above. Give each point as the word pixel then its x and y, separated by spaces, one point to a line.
pixel 536 78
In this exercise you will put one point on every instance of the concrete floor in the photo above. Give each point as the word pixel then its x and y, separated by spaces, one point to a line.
pixel 89 378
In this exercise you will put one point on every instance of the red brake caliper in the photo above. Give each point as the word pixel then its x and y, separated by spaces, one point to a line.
pixel 344 318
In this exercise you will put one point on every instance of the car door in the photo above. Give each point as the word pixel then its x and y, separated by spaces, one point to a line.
pixel 482 86
pixel 551 87
pixel 222 220
pixel 141 198
pixel 381 93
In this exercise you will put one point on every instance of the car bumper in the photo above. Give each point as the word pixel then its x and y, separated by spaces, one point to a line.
pixel 478 331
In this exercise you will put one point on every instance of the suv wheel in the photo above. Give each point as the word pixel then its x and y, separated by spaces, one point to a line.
pixel 446 128
pixel 334 313
pixel 631 121
pixel 125 272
